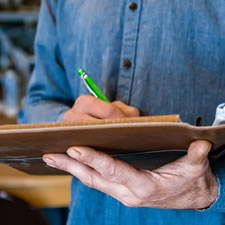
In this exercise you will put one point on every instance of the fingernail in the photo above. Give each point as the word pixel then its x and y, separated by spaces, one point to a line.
pixel 74 152
pixel 49 160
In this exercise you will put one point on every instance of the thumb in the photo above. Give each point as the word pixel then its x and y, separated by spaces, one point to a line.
pixel 198 151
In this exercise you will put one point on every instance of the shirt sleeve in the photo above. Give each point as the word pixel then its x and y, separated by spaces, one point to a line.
pixel 48 93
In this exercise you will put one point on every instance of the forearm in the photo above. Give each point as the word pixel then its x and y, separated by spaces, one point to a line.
pixel 48 94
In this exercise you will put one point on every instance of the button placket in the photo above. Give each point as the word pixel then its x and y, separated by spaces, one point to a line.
pixel 128 50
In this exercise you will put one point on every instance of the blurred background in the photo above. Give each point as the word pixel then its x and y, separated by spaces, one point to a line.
pixel 32 198
pixel 18 20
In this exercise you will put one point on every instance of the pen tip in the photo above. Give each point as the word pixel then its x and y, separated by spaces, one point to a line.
pixel 80 71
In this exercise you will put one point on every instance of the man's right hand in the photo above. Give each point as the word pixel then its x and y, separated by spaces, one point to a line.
pixel 88 107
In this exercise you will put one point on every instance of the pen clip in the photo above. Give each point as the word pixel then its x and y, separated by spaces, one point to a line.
pixel 87 86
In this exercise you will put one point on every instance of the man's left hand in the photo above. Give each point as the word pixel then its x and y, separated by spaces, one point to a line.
pixel 187 183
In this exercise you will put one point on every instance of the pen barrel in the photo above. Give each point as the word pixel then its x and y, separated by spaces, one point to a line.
pixel 95 88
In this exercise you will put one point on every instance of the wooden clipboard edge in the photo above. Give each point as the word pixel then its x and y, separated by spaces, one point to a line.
pixel 142 119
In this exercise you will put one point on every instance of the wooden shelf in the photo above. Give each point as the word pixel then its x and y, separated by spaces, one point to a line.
pixel 40 191
pixel 7 120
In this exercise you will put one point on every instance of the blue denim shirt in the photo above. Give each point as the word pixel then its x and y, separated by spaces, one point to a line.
pixel 163 57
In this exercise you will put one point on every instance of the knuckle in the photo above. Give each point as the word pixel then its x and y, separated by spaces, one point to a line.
pixel 143 194
pixel 88 160
pixel 146 191
pixel 88 180
pixel 126 196
pixel 66 167
pixel 129 199
pixel 81 101
pixel 119 103
pixel 112 112
pixel 110 170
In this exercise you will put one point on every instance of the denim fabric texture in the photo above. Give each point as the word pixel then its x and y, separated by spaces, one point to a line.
pixel 176 65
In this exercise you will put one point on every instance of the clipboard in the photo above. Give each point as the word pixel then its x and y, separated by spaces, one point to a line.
pixel 144 142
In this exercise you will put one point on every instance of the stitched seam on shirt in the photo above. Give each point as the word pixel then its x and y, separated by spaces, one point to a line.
pixel 135 52
pixel 121 47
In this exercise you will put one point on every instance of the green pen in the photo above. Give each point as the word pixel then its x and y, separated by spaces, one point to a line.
pixel 91 85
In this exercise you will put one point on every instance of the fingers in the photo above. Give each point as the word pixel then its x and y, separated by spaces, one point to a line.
pixel 97 108
pixel 198 151
pixel 109 168
pixel 85 174
pixel 89 108
pixel 76 115
pixel 81 171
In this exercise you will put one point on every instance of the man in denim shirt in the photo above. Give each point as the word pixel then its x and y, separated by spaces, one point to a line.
pixel 155 57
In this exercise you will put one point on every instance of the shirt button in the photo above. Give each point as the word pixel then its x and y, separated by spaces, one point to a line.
pixel 127 63
pixel 133 6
